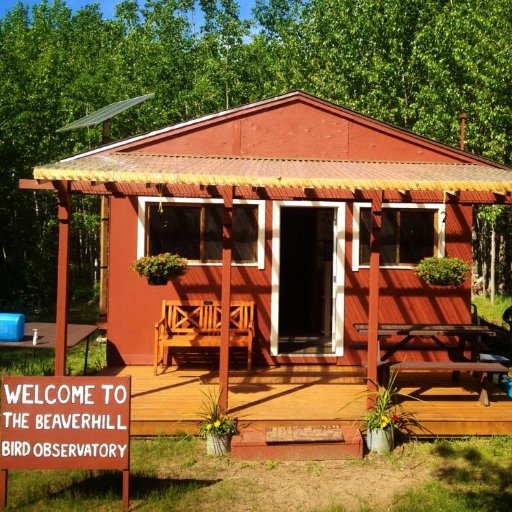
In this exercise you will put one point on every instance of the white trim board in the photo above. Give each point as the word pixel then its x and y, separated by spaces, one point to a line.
pixel 141 225
pixel 441 235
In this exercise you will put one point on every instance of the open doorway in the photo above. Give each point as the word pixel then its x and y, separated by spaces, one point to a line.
pixel 305 280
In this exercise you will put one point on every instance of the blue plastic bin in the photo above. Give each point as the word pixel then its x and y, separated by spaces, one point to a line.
pixel 12 326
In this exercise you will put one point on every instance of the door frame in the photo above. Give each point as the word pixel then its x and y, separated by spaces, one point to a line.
pixel 338 288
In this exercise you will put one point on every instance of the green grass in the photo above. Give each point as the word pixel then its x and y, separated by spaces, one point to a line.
pixel 174 474
pixel 166 474
pixel 40 361
pixel 492 313
pixel 469 476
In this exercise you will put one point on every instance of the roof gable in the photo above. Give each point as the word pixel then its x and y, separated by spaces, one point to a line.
pixel 295 125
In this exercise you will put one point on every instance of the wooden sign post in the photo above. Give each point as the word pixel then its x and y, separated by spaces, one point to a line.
pixel 65 423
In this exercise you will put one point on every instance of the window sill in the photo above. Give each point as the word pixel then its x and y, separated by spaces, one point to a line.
pixel 219 264
pixel 387 267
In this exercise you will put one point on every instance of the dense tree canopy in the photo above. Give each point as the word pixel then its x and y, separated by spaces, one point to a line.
pixel 415 63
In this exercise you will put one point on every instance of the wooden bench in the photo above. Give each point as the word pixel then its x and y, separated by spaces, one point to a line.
pixel 480 369
pixel 198 324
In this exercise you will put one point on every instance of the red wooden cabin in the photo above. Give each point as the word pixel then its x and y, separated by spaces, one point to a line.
pixel 310 183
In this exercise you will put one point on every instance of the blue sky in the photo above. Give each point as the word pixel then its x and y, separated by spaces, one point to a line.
pixel 107 6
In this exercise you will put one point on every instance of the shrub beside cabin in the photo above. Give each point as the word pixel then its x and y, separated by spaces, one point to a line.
pixel 314 187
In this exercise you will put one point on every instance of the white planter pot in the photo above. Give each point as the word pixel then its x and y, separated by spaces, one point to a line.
pixel 218 445
pixel 380 440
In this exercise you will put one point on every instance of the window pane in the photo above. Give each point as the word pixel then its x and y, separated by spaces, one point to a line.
pixel 195 232
pixel 364 236
pixel 407 236
pixel 388 237
pixel 245 234
pixel 212 233
pixel 174 229
pixel 416 235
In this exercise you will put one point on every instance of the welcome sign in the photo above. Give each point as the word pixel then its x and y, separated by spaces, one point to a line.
pixel 65 423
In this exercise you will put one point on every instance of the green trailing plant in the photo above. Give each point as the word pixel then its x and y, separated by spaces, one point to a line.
pixel 443 271
pixel 214 421
pixel 163 266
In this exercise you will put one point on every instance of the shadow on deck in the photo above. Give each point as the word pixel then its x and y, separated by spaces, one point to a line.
pixel 308 395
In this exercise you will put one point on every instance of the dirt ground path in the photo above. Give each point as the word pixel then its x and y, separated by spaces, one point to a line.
pixel 373 483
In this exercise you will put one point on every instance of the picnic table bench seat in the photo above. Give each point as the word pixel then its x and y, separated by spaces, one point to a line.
pixel 197 323
pixel 481 370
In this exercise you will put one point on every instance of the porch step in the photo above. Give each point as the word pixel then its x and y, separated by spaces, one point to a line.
pixel 332 442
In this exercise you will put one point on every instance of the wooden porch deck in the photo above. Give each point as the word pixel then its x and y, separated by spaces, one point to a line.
pixel 308 395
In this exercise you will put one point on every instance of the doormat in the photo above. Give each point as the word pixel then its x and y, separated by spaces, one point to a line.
pixel 307 434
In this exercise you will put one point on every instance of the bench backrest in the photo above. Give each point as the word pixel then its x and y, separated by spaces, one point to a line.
pixel 204 316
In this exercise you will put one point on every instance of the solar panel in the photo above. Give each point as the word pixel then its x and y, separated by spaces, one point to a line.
pixel 105 113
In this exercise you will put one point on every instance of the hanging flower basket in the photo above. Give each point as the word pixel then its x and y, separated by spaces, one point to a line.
pixel 160 268
pixel 443 271
pixel 157 280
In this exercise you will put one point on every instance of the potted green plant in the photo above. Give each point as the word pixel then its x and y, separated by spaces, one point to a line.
pixel 443 271
pixel 160 268
pixel 216 427
pixel 386 416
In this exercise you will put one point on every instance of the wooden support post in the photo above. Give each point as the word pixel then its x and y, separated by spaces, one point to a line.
pixel 373 314
pixel 104 231
pixel 227 194
pixel 64 219
pixel 126 490
pixel 104 209
pixel 3 489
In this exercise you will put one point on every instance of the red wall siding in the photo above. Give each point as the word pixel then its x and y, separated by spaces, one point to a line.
pixel 134 306
pixel 215 140
pixel 368 144
pixel 296 130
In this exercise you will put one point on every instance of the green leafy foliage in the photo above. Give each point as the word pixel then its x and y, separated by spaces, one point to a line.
pixel 493 312
pixel 214 420
pixel 386 410
pixel 415 63
pixel 443 271
pixel 160 266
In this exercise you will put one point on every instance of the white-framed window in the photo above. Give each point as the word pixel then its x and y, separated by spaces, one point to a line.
pixel 409 232
pixel 192 228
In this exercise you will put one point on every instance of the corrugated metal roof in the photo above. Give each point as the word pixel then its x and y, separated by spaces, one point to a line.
pixel 266 172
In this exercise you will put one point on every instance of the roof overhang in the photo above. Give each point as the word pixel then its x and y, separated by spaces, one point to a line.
pixel 151 169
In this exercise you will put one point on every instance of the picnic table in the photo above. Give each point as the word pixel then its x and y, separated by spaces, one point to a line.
pixel 465 332
pixel 458 362
pixel 46 335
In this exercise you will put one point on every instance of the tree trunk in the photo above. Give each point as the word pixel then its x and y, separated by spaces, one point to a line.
pixel 492 280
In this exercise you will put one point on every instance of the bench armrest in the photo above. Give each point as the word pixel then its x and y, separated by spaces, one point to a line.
pixel 161 323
